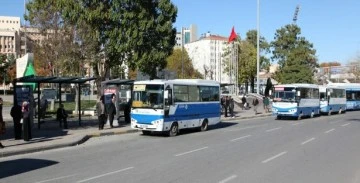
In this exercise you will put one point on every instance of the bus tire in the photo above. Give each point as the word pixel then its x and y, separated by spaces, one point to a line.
pixel 145 132
pixel 174 129
pixel 204 126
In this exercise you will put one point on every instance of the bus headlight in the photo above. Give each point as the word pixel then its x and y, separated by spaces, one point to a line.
pixel 274 110
pixel 133 121
pixel 157 122
pixel 292 110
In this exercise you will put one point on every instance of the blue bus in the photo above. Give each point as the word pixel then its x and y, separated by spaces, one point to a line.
pixel 171 105
pixel 332 99
pixel 352 94
pixel 296 100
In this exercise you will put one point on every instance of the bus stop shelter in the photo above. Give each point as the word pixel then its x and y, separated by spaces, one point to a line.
pixel 26 80
pixel 114 86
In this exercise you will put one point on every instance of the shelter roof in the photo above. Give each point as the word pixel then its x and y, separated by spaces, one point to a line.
pixel 53 79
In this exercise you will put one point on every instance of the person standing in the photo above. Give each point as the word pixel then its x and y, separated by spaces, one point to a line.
pixel 100 109
pixel 61 116
pixel 16 114
pixel 111 110
pixel 2 123
pixel 227 103
pixel 266 104
pixel 243 100
pixel 26 121
pixel 231 107
pixel 255 104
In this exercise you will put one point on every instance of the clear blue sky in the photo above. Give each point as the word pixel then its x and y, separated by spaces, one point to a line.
pixel 332 25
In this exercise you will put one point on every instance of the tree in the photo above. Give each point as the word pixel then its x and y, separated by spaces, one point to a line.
pixel 251 37
pixel 354 68
pixel 247 58
pixel 136 32
pixel 7 66
pixel 179 59
pixel 295 56
pixel 268 87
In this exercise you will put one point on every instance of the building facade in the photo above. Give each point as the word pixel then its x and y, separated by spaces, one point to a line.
pixel 10 35
pixel 206 55
pixel 186 35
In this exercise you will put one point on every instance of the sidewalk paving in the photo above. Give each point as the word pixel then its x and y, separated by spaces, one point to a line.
pixel 51 136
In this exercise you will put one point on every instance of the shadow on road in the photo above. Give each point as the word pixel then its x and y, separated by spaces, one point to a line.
pixel 18 166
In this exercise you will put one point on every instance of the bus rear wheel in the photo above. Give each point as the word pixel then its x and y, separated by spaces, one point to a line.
pixel 174 129
pixel 204 126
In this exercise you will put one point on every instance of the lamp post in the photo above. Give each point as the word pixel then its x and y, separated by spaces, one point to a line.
pixel 258 49
pixel 182 52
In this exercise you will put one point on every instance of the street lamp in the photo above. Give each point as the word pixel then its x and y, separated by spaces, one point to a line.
pixel 258 48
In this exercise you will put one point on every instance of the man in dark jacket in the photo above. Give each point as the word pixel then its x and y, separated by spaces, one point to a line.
pixel 227 103
pixel 16 114
pixel 243 100
pixel 61 116
pixel 111 111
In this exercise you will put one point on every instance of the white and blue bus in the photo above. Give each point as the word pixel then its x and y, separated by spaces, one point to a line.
pixel 296 100
pixel 172 105
pixel 332 99
pixel 352 94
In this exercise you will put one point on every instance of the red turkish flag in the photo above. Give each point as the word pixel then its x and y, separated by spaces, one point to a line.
pixel 232 35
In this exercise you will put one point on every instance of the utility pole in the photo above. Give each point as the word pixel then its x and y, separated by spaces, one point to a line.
pixel 182 52
pixel 258 49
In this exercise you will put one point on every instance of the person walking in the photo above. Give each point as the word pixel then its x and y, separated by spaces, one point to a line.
pixel 16 114
pixel 243 100
pixel 231 107
pixel 222 102
pixel 227 103
pixel 266 104
pixel 255 104
pixel 100 109
pixel 2 123
pixel 26 121
pixel 61 116
pixel 111 111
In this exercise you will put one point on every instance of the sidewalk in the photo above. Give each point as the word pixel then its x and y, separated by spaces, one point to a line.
pixel 51 136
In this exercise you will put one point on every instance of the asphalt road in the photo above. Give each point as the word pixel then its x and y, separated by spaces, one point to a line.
pixel 324 149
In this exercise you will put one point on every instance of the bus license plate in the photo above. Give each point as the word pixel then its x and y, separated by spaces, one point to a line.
pixel 143 126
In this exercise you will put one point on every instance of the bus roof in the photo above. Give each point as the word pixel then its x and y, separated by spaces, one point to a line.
pixel 297 85
pixel 346 85
pixel 322 88
pixel 180 81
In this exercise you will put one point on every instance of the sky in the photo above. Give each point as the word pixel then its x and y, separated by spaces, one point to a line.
pixel 331 25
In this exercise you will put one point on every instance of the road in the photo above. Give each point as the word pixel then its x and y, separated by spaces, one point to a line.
pixel 323 149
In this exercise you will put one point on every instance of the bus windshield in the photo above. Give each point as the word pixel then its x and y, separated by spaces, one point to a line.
pixel 285 96
pixel 148 96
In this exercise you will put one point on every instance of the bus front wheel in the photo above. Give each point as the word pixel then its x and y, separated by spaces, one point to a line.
pixel 204 126
pixel 174 129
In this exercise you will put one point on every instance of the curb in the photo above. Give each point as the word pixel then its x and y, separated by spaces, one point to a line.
pixel 247 117
pixel 64 144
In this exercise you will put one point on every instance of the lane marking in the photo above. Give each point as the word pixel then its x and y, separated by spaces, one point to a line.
pixel 308 141
pixel 243 137
pixel 228 179
pixel 57 178
pixel 274 157
pixel 249 127
pixel 191 151
pixel 330 130
pixel 103 175
pixel 345 124
pixel 297 123
pixel 273 129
